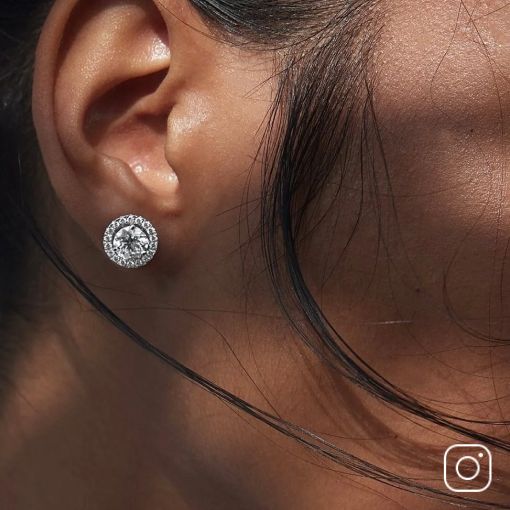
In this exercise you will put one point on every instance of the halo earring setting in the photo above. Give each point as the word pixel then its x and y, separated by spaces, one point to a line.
pixel 130 241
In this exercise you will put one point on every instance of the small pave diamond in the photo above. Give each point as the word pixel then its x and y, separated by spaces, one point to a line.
pixel 130 241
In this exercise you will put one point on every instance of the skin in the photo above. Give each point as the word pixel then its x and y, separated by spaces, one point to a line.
pixel 94 421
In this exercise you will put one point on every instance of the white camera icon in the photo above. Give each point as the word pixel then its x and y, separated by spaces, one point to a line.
pixel 462 458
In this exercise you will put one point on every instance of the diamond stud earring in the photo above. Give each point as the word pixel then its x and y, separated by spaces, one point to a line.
pixel 130 241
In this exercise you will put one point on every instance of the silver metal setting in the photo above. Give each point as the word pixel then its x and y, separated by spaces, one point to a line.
pixel 130 241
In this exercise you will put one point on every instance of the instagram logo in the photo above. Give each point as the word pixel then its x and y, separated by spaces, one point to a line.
pixel 467 468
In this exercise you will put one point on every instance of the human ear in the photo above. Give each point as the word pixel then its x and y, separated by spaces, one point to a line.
pixel 138 111
pixel 100 109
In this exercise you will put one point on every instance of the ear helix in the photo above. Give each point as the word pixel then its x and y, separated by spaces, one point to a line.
pixel 130 241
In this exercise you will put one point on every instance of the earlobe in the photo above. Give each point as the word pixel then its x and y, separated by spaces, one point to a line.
pixel 100 111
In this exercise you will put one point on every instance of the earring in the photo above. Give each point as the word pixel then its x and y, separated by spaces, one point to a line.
pixel 130 241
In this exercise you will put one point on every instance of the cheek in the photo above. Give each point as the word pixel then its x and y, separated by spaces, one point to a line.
pixel 436 100
pixel 440 100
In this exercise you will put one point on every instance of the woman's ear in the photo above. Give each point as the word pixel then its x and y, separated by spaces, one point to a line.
pixel 138 110
pixel 100 107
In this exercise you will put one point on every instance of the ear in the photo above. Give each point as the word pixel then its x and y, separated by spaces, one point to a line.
pixel 135 107
pixel 100 109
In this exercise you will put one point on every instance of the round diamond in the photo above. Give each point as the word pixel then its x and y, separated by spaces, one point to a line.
pixel 130 241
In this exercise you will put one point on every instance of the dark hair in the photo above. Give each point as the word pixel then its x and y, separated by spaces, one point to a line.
pixel 324 90
pixel 20 23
